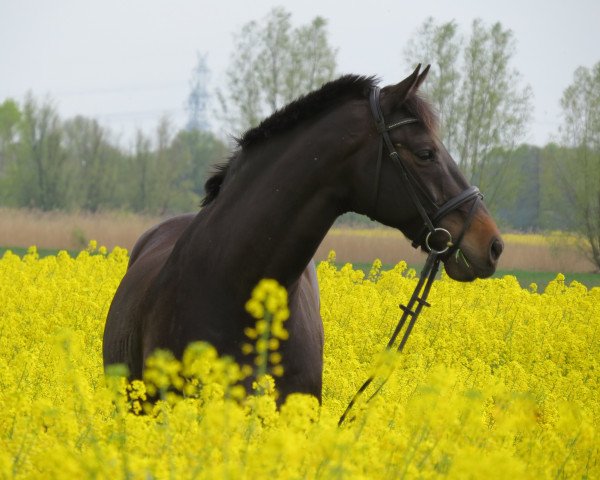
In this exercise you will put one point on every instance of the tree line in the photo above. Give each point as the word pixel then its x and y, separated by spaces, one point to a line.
pixel 51 163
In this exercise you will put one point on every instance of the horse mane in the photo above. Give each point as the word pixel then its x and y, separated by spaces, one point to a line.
pixel 306 106
pixel 329 95
pixel 213 184
pixel 314 103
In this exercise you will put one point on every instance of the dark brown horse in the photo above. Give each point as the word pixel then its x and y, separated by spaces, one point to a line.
pixel 266 212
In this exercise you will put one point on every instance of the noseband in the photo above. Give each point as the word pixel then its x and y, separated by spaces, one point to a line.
pixel 416 192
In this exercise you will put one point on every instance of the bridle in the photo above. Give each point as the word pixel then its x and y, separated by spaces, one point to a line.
pixel 414 187
pixel 417 193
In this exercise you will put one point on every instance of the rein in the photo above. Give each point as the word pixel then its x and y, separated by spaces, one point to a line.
pixel 418 299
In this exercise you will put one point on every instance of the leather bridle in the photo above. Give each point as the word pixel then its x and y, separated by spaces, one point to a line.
pixel 431 214
pixel 414 187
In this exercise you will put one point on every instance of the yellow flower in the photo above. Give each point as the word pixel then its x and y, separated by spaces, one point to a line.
pixel 268 305
pixel 261 345
pixel 255 308
pixel 251 333
pixel 275 358
pixel 492 374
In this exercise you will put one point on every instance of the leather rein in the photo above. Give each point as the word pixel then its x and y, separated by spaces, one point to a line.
pixel 416 192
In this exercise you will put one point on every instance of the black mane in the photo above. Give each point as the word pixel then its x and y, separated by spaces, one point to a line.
pixel 307 106
pixel 329 95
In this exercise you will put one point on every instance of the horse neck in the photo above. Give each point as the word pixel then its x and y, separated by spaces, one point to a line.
pixel 274 210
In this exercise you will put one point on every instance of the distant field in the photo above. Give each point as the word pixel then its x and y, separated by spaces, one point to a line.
pixel 71 231
pixel 530 257
pixel 540 253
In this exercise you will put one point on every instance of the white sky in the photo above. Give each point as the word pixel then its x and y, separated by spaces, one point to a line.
pixel 127 62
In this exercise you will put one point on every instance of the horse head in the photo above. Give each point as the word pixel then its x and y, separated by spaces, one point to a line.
pixel 405 178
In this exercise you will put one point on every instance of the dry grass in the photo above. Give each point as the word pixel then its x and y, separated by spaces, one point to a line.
pixel 363 246
pixel 72 231
pixel 22 228
pixel 554 253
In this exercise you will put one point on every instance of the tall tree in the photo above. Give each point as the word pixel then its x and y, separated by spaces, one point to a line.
pixel 478 94
pixel 200 151
pixel 440 46
pixel 165 169
pixel 312 60
pixel 95 161
pixel 142 173
pixel 10 116
pixel 172 184
pixel 40 174
pixel 273 63
pixel 577 169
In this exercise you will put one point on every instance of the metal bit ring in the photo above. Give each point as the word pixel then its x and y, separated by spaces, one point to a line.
pixel 448 243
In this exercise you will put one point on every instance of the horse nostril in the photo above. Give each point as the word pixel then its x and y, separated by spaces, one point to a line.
pixel 496 249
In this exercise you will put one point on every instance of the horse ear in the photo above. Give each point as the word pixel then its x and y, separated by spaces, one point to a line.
pixel 422 77
pixel 401 91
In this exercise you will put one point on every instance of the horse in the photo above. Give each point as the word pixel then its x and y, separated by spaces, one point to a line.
pixel 268 208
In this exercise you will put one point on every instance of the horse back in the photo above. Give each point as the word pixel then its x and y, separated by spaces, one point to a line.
pixel 160 238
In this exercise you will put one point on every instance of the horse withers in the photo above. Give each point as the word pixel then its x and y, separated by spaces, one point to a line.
pixel 345 147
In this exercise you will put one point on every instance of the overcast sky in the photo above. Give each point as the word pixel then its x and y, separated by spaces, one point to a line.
pixel 128 62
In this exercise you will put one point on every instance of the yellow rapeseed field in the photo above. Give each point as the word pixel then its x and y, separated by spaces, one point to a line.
pixel 496 381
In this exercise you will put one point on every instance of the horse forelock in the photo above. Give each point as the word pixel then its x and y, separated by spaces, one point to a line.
pixel 420 108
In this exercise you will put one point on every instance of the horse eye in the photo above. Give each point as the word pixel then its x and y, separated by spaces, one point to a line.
pixel 426 155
